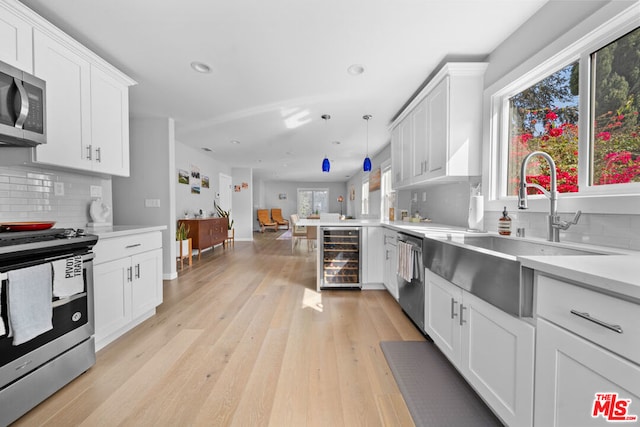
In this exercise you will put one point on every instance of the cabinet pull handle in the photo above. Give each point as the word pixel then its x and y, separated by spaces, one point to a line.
pixel 129 274
pixel 89 152
pixel 453 303
pixel 98 155
pixel 587 316
pixel 133 246
pixel 24 104
pixel 462 321
pixel 137 271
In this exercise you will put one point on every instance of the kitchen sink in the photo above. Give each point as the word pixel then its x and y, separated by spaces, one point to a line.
pixel 518 247
pixel 488 266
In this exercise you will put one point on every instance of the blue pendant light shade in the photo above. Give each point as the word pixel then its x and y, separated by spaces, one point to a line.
pixel 326 165
pixel 366 166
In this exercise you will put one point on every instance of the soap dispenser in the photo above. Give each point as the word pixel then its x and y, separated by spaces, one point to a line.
pixel 504 224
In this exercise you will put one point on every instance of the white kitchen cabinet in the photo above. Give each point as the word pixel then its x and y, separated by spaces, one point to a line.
pixel 396 158
pixel 440 131
pixel 492 349
pixel 418 121
pixel 109 124
pixel 67 75
pixel 127 283
pixel 442 300
pixel 437 136
pixel 390 265
pixel 15 38
pixel 586 344
pixel 87 110
pixel 372 268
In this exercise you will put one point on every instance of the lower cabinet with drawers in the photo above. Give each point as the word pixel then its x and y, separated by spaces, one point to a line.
pixel 587 356
pixel 127 283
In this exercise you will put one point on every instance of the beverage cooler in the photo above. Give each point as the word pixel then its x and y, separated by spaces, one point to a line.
pixel 341 259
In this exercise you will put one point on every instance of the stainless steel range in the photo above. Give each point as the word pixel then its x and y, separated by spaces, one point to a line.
pixel 46 277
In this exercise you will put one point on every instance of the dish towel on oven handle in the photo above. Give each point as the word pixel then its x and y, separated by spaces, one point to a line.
pixel 67 277
pixel 29 302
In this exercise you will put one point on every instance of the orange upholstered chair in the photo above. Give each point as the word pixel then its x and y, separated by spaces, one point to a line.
pixel 265 221
pixel 276 216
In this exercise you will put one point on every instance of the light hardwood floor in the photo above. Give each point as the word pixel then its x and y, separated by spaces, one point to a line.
pixel 242 338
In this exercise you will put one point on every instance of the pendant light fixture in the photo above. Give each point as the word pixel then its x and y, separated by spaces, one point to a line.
pixel 366 166
pixel 326 165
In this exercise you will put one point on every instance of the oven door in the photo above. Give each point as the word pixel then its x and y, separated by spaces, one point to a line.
pixel 72 324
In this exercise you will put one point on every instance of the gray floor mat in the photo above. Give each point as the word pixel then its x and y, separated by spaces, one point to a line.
pixel 436 394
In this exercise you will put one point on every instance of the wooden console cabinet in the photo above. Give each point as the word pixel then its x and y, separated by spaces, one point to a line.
pixel 206 232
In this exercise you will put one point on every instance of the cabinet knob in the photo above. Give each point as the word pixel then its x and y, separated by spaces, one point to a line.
pixel 89 152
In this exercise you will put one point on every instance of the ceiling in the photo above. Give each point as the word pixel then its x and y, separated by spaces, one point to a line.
pixel 277 66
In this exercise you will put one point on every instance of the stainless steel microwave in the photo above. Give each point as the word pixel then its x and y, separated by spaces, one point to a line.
pixel 22 108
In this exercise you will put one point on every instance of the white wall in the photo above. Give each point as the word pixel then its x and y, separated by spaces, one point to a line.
pixel 241 211
pixel 354 207
pixel 186 157
pixel 152 155
pixel 273 189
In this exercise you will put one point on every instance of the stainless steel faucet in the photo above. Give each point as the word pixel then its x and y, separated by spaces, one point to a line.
pixel 554 224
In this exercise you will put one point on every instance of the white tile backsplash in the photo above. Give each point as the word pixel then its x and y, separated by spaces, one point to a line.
pixel 27 194
pixel 618 231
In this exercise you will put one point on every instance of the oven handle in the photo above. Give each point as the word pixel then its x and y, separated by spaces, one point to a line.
pixel 63 301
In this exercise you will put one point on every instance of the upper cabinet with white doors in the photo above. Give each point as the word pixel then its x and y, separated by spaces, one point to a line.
pixel 87 98
pixel 16 43
pixel 438 137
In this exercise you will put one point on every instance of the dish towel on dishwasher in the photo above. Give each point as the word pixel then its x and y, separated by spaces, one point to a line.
pixel 67 277
pixel 405 261
pixel 29 302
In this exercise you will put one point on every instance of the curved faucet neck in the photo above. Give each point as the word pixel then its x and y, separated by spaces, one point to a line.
pixel 552 194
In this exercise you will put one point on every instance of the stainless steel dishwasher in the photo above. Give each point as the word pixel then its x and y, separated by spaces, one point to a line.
pixel 411 278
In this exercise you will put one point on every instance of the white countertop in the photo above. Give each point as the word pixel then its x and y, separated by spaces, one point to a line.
pixel 611 273
pixel 615 273
pixel 123 230
pixel 339 222
pixel 425 228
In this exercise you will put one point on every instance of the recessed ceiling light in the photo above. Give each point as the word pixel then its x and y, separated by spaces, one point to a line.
pixel 207 149
pixel 200 67
pixel 355 69
pixel 235 141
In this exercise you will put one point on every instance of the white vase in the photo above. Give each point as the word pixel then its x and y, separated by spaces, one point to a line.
pixel 185 247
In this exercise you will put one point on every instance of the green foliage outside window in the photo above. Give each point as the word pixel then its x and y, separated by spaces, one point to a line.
pixel 545 117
